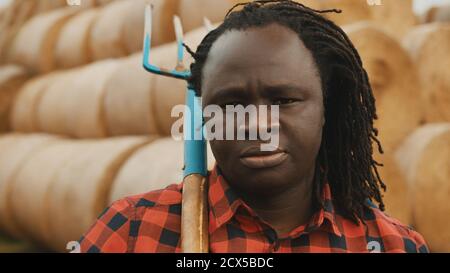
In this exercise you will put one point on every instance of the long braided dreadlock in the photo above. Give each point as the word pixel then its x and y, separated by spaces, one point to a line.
pixel 345 159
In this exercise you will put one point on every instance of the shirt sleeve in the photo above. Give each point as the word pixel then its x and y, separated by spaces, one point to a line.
pixel 110 232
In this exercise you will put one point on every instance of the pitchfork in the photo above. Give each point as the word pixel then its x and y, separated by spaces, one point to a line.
pixel 194 214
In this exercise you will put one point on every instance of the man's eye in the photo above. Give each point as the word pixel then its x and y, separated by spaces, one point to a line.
pixel 283 101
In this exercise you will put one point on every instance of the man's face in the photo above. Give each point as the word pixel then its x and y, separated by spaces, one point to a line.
pixel 266 66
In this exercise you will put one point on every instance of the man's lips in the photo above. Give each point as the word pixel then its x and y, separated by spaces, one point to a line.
pixel 256 159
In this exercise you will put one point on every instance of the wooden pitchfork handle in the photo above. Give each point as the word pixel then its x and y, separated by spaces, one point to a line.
pixel 194 215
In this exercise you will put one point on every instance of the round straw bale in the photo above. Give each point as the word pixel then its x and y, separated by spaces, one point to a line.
pixel 129 99
pixel 352 10
pixel 73 105
pixel 425 158
pixel 152 167
pixel 72 47
pixel 23 112
pixel 29 188
pixel 49 113
pixel 429 46
pixel 119 27
pixel 397 197
pixel 395 17
pixel 394 80
pixel 192 12
pixel 15 151
pixel 35 43
pixel 80 188
pixel 12 77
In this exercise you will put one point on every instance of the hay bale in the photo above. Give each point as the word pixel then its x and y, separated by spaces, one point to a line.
pixel 28 196
pixel 138 102
pixel 152 167
pixel 80 188
pixel 397 198
pixel 119 29
pixel 395 17
pixel 15 15
pixel 429 46
pixel 394 80
pixel 12 77
pixel 72 47
pixel 35 43
pixel 15 151
pixel 129 102
pixel 425 159
pixel 23 118
pixel 73 105
pixel 50 110
pixel 437 14
pixel 352 10
pixel 192 12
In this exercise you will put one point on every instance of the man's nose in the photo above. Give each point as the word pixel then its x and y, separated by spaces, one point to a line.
pixel 266 120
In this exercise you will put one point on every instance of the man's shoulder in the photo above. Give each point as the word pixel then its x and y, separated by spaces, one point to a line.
pixel 169 196
pixel 391 230
pixel 148 222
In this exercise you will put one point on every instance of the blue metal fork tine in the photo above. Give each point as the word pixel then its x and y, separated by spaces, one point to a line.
pixel 179 72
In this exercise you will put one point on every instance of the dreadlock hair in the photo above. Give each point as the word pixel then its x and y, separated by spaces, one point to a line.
pixel 345 159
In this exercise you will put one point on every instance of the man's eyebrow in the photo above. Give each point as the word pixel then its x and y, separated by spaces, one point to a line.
pixel 228 92
pixel 269 90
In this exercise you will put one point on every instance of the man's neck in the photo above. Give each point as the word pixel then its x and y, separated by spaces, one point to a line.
pixel 285 210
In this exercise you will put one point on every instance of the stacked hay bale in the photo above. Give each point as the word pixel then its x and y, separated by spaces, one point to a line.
pixel 394 16
pixel 22 115
pixel 429 46
pixel 80 189
pixel 71 188
pixel 425 159
pixel 74 35
pixel 78 178
pixel 59 111
pixel 15 150
pixel 118 96
pixel 12 77
pixel 397 198
pixel 146 170
pixel 35 43
pixel 119 29
pixel 394 81
pixel 72 47
pixel 192 12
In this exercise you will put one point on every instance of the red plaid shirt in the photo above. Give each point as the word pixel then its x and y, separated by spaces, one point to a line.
pixel 151 222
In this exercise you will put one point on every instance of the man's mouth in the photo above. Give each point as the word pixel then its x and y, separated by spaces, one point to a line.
pixel 256 159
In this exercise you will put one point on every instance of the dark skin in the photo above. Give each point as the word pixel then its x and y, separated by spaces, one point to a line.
pixel 269 66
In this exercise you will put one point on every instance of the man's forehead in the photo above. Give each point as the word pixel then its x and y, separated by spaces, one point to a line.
pixel 258 44
pixel 272 55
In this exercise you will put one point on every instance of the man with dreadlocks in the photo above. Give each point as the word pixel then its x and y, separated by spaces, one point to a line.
pixel 317 191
